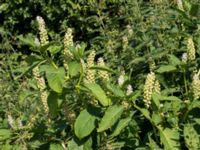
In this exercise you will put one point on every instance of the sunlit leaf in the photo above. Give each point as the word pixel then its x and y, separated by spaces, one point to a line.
pixel 110 117
pixel 84 124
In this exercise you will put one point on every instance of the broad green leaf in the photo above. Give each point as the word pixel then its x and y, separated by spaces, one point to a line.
pixel 103 69
pixel 170 98
pixel 45 47
pixel 88 144
pixel 120 126
pixel 152 144
pixel 169 138
pixel 174 60
pixel 53 49
pixel 55 78
pixel 54 146
pixel 166 68
pixel 98 92
pixel 84 124
pixel 115 90
pixel 28 40
pixel 166 98
pixel 53 104
pixel 110 117
pixel 35 144
pixel 145 112
pixel 73 145
pixel 191 137
pixel 5 134
pixel 156 118
pixel 195 10
pixel 3 7
pixel 74 68
pixel 156 100
pixel 6 146
pixel 194 104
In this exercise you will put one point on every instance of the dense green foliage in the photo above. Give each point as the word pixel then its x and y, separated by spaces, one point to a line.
pixel 145 97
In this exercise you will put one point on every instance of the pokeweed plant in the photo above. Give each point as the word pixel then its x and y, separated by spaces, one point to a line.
pixel 74 100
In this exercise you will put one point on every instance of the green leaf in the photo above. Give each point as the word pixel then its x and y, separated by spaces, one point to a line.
pixel 156 118
pixel 3 7
pixel 56 147
pixel 195 9
pixel 84 124
pixel 156 100
pixel 170 98
pixel 174 60
pixel 74 68
pixel 145 112
pixel 111 116
pixel 98 92
pixel 73 145
pixel 191 137
pixel 55 78
pixel 120 126
pixel 103 69
pixel 53 104
pixel 53 49
pixel 166 68
pixel 88 144
pixel 169 138
pixel 115 90
pixel 27 40
pixel 47 46
pixel 152 144
pixel 5 134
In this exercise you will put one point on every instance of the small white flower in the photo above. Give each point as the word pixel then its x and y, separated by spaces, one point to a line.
pixel 184 57
pixel 20 125
pixel 121 80
pixel 180 5
pixel 37 42
pixel 129 90
pixel 78 46
pixel 161 105
pixel 10 121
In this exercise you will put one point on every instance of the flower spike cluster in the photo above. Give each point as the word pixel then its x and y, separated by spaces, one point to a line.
pixel 102 74
pixel 90 74
pixel 196 85
pixel 41 85
pixel 68 41
pixel 148 88
pixel 157 87
pixel 190 49
pixel 43 32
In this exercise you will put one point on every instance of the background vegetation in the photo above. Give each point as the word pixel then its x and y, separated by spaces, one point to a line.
pixel 58 93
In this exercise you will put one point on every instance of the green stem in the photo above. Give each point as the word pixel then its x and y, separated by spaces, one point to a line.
pixel 80 79
pixel 185 83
